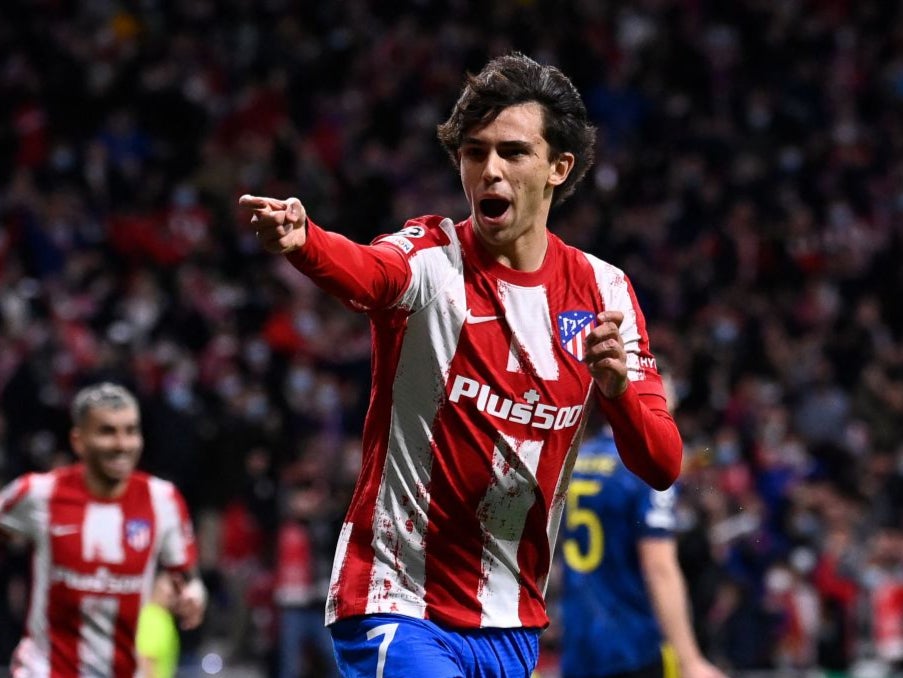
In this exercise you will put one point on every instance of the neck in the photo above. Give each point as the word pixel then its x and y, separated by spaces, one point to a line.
pixel 525 257
pixel 526 253
pixel 104 488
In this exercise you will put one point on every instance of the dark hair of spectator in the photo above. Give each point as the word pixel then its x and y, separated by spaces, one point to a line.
pixel 517 79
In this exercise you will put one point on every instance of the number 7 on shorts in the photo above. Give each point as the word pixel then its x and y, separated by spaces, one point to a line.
pixel 388 631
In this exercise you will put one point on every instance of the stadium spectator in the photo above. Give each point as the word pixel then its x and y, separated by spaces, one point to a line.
pixel 157 636
pixel 304 645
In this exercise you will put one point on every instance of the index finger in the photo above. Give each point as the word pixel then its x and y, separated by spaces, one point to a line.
pixel 616 317
pixel 256 202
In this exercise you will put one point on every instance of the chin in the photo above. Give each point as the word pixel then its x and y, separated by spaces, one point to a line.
pixel 494 230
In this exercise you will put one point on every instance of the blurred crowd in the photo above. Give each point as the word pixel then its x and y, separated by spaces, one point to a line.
pixel 750 182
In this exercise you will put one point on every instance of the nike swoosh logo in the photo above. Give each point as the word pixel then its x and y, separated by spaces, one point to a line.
pixel 472 319
pixel 64 530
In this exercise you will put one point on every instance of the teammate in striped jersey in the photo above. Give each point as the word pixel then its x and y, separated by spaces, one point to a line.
pixel 98 530
pixel 491 337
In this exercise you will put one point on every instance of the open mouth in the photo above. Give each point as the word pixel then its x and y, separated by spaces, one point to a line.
pixel 493 207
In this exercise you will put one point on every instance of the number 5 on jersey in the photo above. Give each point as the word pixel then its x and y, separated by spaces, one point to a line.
pixel 591 558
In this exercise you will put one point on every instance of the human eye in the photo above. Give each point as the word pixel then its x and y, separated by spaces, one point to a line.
pixel 515 152
pixel 473 152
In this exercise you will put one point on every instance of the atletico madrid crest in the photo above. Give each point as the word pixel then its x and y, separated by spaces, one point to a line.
pixel 573 329
pixel 138 534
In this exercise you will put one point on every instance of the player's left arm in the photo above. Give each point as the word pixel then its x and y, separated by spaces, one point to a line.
pixel 18 508
pixel 631 393
pixel 668 592
pixel 191 599
pixel 178 554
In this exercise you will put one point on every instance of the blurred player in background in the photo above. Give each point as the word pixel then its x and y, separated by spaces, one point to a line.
pixel 157 638
pixel 624 606
pixel 490 338
pixel 98 530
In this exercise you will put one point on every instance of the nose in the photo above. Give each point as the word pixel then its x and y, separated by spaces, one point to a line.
pixel 492 168
pixel 124 440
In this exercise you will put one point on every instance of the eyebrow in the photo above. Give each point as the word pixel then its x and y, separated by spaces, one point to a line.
pixel 128 426
pixel 510 145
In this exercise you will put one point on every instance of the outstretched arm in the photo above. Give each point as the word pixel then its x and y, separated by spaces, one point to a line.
pixel 362 276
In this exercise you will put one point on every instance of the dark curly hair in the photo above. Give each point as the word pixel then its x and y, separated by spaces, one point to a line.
pixel 517 79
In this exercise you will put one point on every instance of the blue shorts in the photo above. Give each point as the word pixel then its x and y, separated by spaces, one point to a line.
pixel 396 646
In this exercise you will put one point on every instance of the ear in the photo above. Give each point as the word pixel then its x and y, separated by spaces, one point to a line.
pixel 76 442
pixel 561 168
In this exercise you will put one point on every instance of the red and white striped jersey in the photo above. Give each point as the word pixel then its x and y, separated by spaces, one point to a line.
pixel 477 408
pixel 92 568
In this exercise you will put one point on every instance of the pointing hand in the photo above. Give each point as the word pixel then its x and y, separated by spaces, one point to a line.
pixel 281 225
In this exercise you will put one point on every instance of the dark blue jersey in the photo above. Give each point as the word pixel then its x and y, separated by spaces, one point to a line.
pixel 608 621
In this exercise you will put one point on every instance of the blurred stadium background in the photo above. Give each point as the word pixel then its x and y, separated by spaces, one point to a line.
pixel 750 181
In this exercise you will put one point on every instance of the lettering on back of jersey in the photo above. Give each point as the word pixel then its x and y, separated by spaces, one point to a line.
pixel 593 464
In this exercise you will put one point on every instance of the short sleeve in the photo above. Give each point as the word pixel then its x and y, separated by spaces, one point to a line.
pixel 431 250
pixel 178 550
pixel 18 508
pixel 657 512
